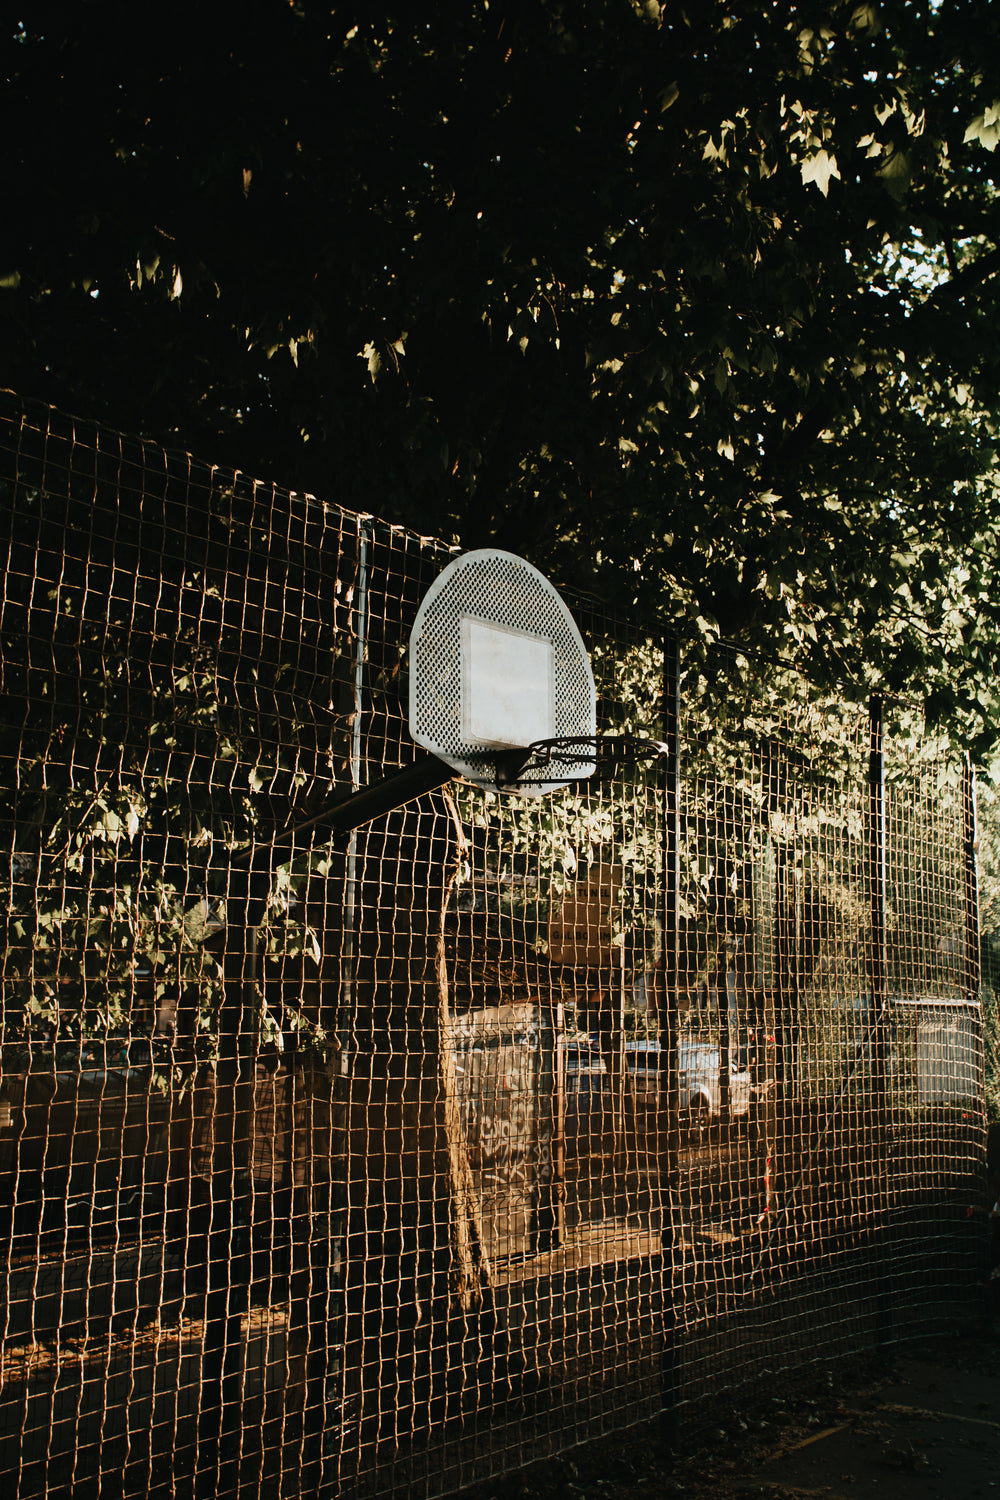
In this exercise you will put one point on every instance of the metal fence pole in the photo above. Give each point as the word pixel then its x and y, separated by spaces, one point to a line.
pixel 878 971
pixel 228 1249
pixel 876 860
pixel 669 1121
pixel 973 980
pixel 973 951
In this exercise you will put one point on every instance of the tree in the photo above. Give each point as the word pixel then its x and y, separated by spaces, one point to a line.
pixel 700 301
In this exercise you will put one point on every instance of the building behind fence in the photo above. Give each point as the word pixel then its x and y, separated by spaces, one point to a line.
pixel 398 1158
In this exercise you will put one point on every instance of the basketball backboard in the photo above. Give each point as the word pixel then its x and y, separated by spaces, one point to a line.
pixel 497 664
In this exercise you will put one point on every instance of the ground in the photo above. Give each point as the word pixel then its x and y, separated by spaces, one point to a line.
pixel 921 1423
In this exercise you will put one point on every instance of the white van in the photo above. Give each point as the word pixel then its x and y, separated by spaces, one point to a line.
pixel 698 1077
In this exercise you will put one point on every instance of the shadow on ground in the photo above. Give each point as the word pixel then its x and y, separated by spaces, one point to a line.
pixel 921 1424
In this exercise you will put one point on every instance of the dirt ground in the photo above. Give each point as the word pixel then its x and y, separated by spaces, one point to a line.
pixel 921 1424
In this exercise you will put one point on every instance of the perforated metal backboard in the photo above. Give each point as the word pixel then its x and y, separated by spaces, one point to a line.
pixel 497 663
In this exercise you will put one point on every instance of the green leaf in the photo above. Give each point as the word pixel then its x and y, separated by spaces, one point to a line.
pixel 985 128
pixel 819 168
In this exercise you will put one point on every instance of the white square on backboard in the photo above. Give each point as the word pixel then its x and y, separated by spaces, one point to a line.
pixel 507 685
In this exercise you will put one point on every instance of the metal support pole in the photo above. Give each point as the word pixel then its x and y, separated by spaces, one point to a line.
pixel 788 939
pixel 876 861
pixel 878 972
pixel 973 950
pixel 878 965
pixel 972 987
pixel 371 802
pixel 346 1001
pixel 322 1206
pixel 669 1097
pixel 228 1246
pixel 784 1115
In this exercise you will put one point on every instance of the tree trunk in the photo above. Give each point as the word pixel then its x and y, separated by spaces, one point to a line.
pixel 414 1246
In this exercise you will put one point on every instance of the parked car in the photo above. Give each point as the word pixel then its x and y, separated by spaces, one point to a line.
pixel 698 1078
pixel 589 1115
pixel 588 1085
pixel 584 1066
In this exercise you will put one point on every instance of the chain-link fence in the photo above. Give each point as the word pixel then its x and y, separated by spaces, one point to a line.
pixel 354 1161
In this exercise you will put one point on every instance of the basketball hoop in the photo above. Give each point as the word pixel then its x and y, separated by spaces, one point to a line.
pixel 523 767
pixel 501 693
pixel 498 667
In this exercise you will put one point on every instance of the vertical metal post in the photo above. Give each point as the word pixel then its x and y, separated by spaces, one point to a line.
pixel 972 986
pixel 228 1268
pixel 669 1098
pixel 360 646
pixel 784 1116
pixel 724 956
pixel 878 981
pixel 348 960
pixel 546 1223
pixel 319 1378
pixel 559 1125
pixel 973 951
pixel 876 861
pixel 788 937
pixel 878 966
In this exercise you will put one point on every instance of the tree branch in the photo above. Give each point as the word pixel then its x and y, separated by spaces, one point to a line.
pixel 965 280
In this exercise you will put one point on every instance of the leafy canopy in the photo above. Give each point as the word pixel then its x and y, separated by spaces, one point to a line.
pixel 696 303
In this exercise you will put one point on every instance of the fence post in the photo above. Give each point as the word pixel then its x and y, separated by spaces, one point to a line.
pixel 973 977
pixel 876 861
pixel 669 1121
pixel 785 1116
pixel 973 951
pixel 878 981
pixel 788 940
pixel 228 1266
pixel 317 1313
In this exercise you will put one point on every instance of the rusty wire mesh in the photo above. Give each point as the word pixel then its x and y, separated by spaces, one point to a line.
pixel 393 1159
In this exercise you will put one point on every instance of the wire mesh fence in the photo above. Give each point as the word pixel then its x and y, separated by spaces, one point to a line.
pixel 394 1157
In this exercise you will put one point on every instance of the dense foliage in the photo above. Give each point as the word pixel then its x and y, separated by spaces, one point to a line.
pixel 698 302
